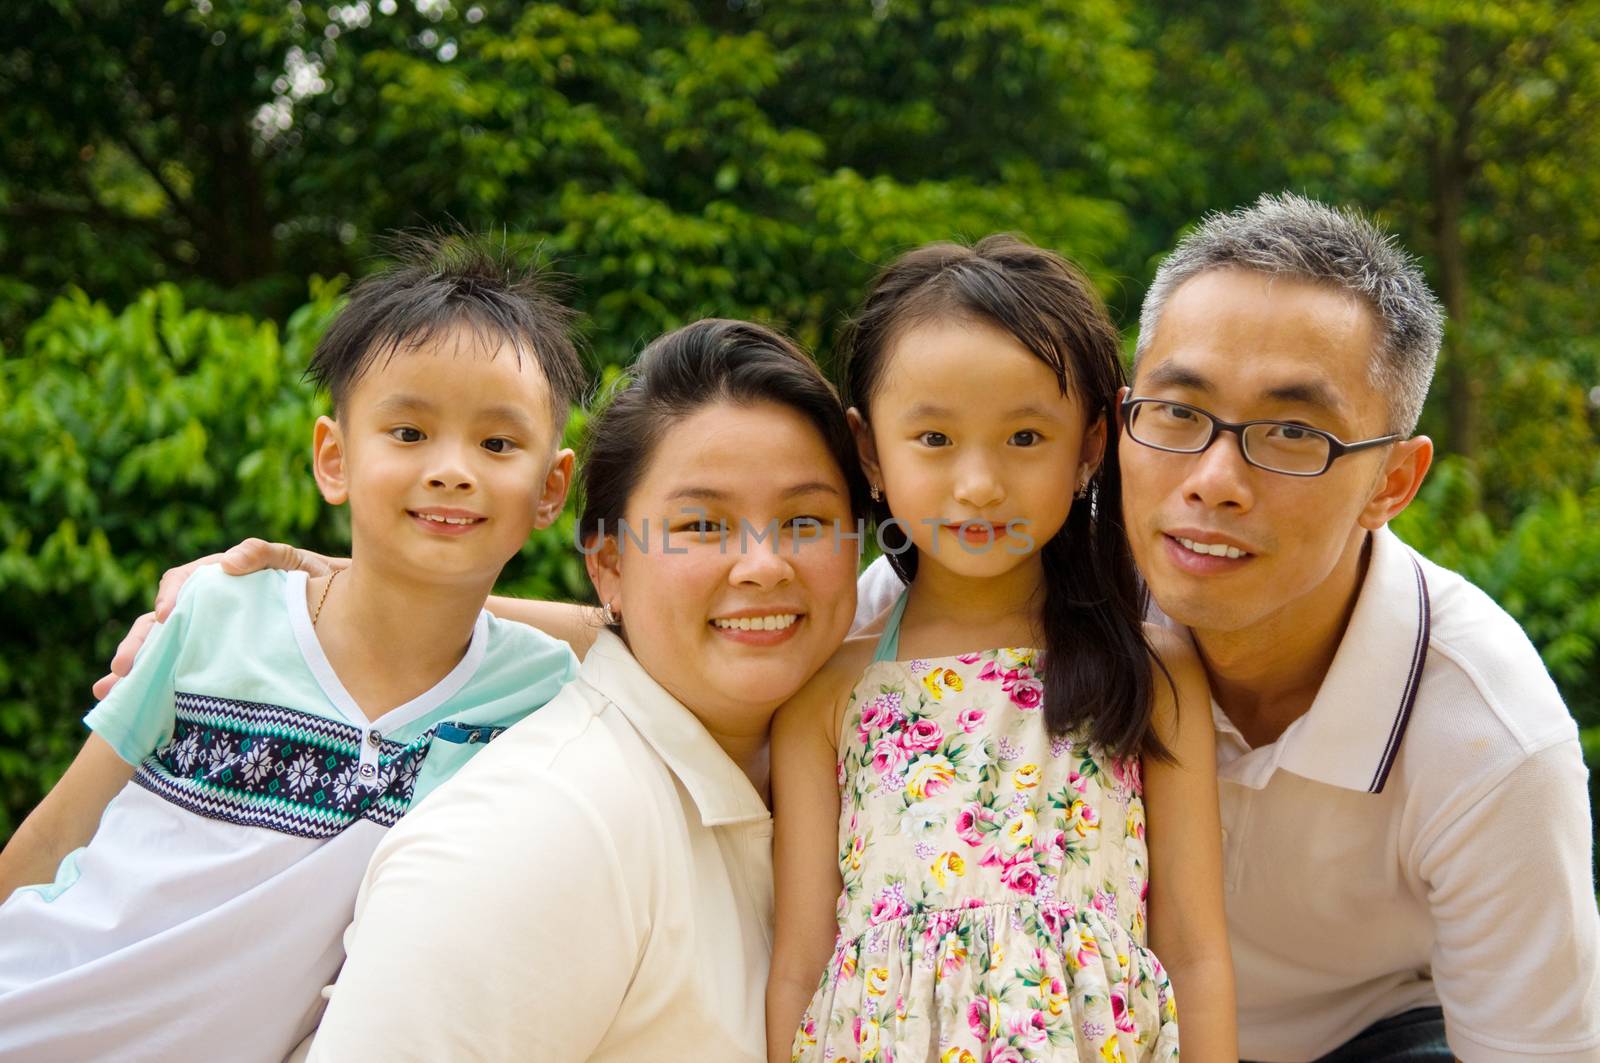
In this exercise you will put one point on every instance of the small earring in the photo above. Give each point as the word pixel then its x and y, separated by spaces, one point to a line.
pixel 877 495
pixel 608 616
pixel 1083 484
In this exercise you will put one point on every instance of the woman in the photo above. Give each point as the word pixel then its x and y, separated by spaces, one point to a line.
pixel 597 884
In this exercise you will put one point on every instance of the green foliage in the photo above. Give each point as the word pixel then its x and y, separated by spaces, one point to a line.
pixel 738 158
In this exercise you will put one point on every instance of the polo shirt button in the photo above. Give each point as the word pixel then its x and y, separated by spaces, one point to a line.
pixel 374 739
pixel 368 770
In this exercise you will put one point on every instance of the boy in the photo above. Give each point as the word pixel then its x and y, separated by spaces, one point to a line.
pixel 275 726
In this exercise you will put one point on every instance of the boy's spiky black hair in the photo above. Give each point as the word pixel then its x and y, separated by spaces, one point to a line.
pixel 441 281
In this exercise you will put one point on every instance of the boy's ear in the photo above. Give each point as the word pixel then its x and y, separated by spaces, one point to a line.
pixel 557 482
pixel 328 461
pixel 604 561
pixel 866 449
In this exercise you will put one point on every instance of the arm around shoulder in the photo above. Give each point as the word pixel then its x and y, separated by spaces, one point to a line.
pixel 488 927
pixel 805 851
pixel 1188 925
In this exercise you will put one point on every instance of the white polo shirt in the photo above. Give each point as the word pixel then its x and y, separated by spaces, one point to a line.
pixel 1420 837
pixel 596 885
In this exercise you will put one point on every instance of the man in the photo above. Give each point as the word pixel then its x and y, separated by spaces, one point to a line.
pixel 1407 836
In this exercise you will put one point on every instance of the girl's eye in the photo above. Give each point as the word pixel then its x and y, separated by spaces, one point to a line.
pixel 407 435
pixel 1025 438
pixel 934 439
pixel 498 445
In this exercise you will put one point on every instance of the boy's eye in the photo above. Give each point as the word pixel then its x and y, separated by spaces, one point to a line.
pixel 934 439
pixel 498 445
pixel 407 434
pixel 1025 438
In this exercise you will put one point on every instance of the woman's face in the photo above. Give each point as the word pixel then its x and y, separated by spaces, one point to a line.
pixel 729 596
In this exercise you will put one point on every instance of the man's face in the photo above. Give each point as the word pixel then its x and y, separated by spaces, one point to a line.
pixel 1246 346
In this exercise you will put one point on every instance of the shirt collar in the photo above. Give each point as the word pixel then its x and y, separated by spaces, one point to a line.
pixel 1351 734
pixel 721 791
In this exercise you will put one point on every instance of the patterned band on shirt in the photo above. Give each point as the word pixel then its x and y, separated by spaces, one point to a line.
pixel 268 766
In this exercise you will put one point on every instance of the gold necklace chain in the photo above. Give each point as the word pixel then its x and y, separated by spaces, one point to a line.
pixel 326 587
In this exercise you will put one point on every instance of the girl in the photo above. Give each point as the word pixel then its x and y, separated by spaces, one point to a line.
pixel 963 787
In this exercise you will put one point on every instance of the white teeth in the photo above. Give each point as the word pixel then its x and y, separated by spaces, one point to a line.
pixel 774 622
pixel 1214 549
pixel 447 520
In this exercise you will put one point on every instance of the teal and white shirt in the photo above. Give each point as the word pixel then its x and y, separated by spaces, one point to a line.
pixel 205 915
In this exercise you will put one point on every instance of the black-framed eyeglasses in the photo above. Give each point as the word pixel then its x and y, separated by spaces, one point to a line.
pixel 1277 446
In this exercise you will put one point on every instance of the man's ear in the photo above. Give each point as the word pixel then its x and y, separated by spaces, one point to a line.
pixel 604 561
pixel 556 484
pixel 1397 484
pixel 866 449
pixel 328 461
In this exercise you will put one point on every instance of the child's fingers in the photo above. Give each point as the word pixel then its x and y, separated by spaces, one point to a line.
pixel 103 685
pixel 127 649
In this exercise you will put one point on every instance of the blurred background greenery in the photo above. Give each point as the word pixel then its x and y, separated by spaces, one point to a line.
pixel 186 185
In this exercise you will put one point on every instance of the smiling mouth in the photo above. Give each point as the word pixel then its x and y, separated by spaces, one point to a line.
pixel 1205 549
pixel 770 622
pixel 435 518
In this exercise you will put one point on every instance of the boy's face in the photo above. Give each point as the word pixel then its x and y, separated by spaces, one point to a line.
pixel 447 455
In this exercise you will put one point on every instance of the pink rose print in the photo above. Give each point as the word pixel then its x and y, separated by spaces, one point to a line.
pixel 978 1017
pixel 1005 1054
pixel 1020 874
pixel 922 736
pixel 1031 1029
pixel 889 756
pixel 968 822
pixel 890 903
pixel 971 719
pixel 1119 1011
pixel 1027 694
pixel 969 658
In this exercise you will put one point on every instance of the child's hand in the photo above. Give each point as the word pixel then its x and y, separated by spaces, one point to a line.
pixel 252 555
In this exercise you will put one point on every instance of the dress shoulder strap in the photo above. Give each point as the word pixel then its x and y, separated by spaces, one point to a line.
pixel 889 642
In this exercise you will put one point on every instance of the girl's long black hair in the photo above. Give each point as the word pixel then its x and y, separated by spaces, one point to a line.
pixel 1097 659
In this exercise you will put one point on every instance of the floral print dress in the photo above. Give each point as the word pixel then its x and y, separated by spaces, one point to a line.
pixel 993 908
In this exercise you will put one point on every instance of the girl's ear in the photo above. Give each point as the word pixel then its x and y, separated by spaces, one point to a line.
pixel 866 449
pixel 604 562
pixel 328 461
pixel 1093 450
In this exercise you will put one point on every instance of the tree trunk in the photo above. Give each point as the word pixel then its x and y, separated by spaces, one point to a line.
pixel 1451 166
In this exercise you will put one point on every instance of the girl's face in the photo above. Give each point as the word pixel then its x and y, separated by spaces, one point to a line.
pixel 735 599
pixel 976 450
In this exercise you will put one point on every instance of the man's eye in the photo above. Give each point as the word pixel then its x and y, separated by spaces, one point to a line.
pixel 1025 438
pixel 407 435
pixel 1177 413
pixel 498 445
pixel 934 439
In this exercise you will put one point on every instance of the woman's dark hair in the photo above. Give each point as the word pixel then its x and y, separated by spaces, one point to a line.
pixel 679 373
pixel 439 281
pixel 1096 664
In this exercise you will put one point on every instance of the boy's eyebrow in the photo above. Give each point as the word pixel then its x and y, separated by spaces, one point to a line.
pixel 928 409
pixel 1029 410
pixel 508 412
pixel 405 404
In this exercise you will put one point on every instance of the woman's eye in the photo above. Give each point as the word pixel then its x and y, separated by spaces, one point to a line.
pixel 407 435
pixel 934 439
pixel 700 527
pixel 498 445
pixel 1025 438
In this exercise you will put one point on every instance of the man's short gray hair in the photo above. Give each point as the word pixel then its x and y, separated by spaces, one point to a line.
pixel 1289 235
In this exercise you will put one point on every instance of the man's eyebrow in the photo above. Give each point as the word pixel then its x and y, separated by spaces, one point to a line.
pixel 1307 393
pixel 1169 374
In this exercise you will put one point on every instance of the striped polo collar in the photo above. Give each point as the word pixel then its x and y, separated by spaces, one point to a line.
pixel 1352 733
